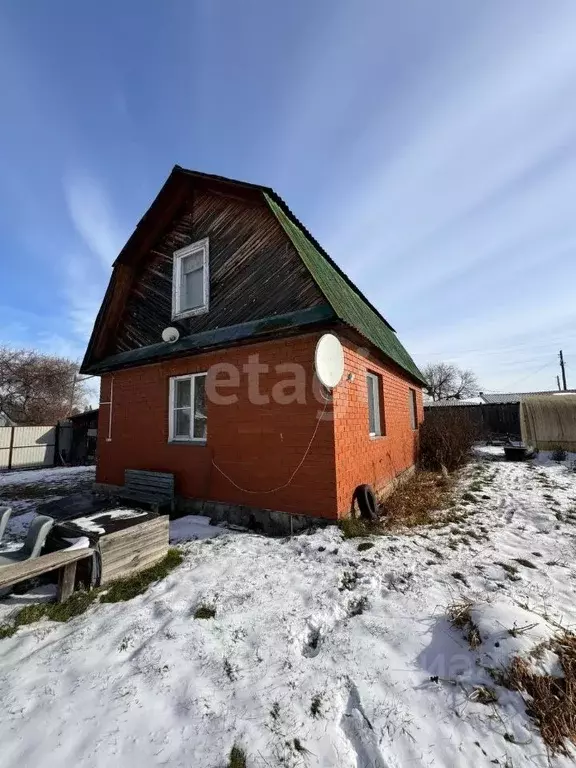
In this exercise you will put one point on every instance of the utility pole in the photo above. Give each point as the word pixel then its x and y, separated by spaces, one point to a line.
pixel 558 382
pixel 563 366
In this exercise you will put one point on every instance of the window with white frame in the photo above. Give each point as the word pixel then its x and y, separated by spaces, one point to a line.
pixel 375 421
pixel 413 403
pixel 187 420
pixel 190 280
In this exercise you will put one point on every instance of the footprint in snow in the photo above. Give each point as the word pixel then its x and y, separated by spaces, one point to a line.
pixel 311 647
pixel 360 733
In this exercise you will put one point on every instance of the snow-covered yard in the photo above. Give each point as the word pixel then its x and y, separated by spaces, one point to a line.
pixel 24 490
pixel 322 651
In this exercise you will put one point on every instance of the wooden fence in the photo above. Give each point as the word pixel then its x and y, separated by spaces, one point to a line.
pixel 489 418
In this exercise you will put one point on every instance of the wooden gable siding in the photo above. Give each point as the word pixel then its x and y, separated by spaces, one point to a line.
pixel 255 271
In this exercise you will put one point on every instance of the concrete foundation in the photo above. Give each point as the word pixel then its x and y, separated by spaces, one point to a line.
pixel 268 521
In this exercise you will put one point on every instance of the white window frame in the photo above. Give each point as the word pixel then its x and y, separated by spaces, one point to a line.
pixel 373 377
pixel 172 437
pixel 413 407
pixel 179 256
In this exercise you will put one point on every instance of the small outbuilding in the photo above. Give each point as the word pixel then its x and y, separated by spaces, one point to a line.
pixel 84 436
pixel 549 421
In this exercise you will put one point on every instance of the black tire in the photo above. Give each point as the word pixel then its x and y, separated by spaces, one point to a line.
pixel 365 497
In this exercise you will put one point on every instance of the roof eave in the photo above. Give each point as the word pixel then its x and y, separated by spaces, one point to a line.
pixel 207 341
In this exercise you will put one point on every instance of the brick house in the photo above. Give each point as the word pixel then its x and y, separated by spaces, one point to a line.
pixel 233 407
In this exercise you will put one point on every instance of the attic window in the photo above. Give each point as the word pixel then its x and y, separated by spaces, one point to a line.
pixel 190 280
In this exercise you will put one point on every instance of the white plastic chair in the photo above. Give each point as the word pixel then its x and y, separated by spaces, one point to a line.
pixel 5 513
pixel 35 539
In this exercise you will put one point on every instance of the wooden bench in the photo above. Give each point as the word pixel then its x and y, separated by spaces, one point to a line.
pixel 153 488
pixel 64 561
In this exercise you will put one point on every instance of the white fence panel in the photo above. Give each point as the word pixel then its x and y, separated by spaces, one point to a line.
pixel 5 433
pixel 5 436
pixel 33 456
pixel 33 447
pixel 25 437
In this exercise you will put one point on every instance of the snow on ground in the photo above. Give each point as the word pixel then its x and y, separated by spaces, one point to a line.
pixel 193 527
pixel 60 475
pixel 345 648
pixel 90 523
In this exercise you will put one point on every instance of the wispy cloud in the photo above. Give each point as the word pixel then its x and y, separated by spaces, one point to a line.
pixel 452 205
pixel 500 107
pixel 75 235
pixel 87 272
pixel 91 214
pixel 84 283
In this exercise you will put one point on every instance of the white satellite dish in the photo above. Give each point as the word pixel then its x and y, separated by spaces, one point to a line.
pixel 329 360
pixel 170 335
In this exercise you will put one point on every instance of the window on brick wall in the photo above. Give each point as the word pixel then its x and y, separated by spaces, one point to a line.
pixel 188 421
pixel 375 410
pixel 413 408
pixel 190 280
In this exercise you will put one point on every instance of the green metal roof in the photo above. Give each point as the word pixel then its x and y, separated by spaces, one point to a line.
pixel 346 301
pixel 219 337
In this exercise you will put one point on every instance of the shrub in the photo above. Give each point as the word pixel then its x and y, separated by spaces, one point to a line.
pixel 446 439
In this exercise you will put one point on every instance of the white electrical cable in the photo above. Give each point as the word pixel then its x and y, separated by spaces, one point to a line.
pixel 110 403
pixel 293 475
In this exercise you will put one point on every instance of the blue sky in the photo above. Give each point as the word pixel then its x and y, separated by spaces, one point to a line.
pixel 430 147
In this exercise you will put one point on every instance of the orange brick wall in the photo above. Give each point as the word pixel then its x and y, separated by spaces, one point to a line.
pixel 258 446
pixel 360 458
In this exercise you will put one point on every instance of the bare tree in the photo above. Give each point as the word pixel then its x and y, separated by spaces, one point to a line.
pixel 37 388
pixel 446 380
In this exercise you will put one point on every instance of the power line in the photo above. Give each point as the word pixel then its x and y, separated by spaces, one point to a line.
pixel 494 350
pixel 516 383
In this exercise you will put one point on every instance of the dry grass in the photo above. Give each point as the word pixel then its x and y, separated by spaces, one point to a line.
pixel 237 757
pixel 483 694
pixel 316 706
pixel 459 615
pixel 355 527
pixel 551 701
pixel 205 612
pixel 138 583
pixel 414 501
